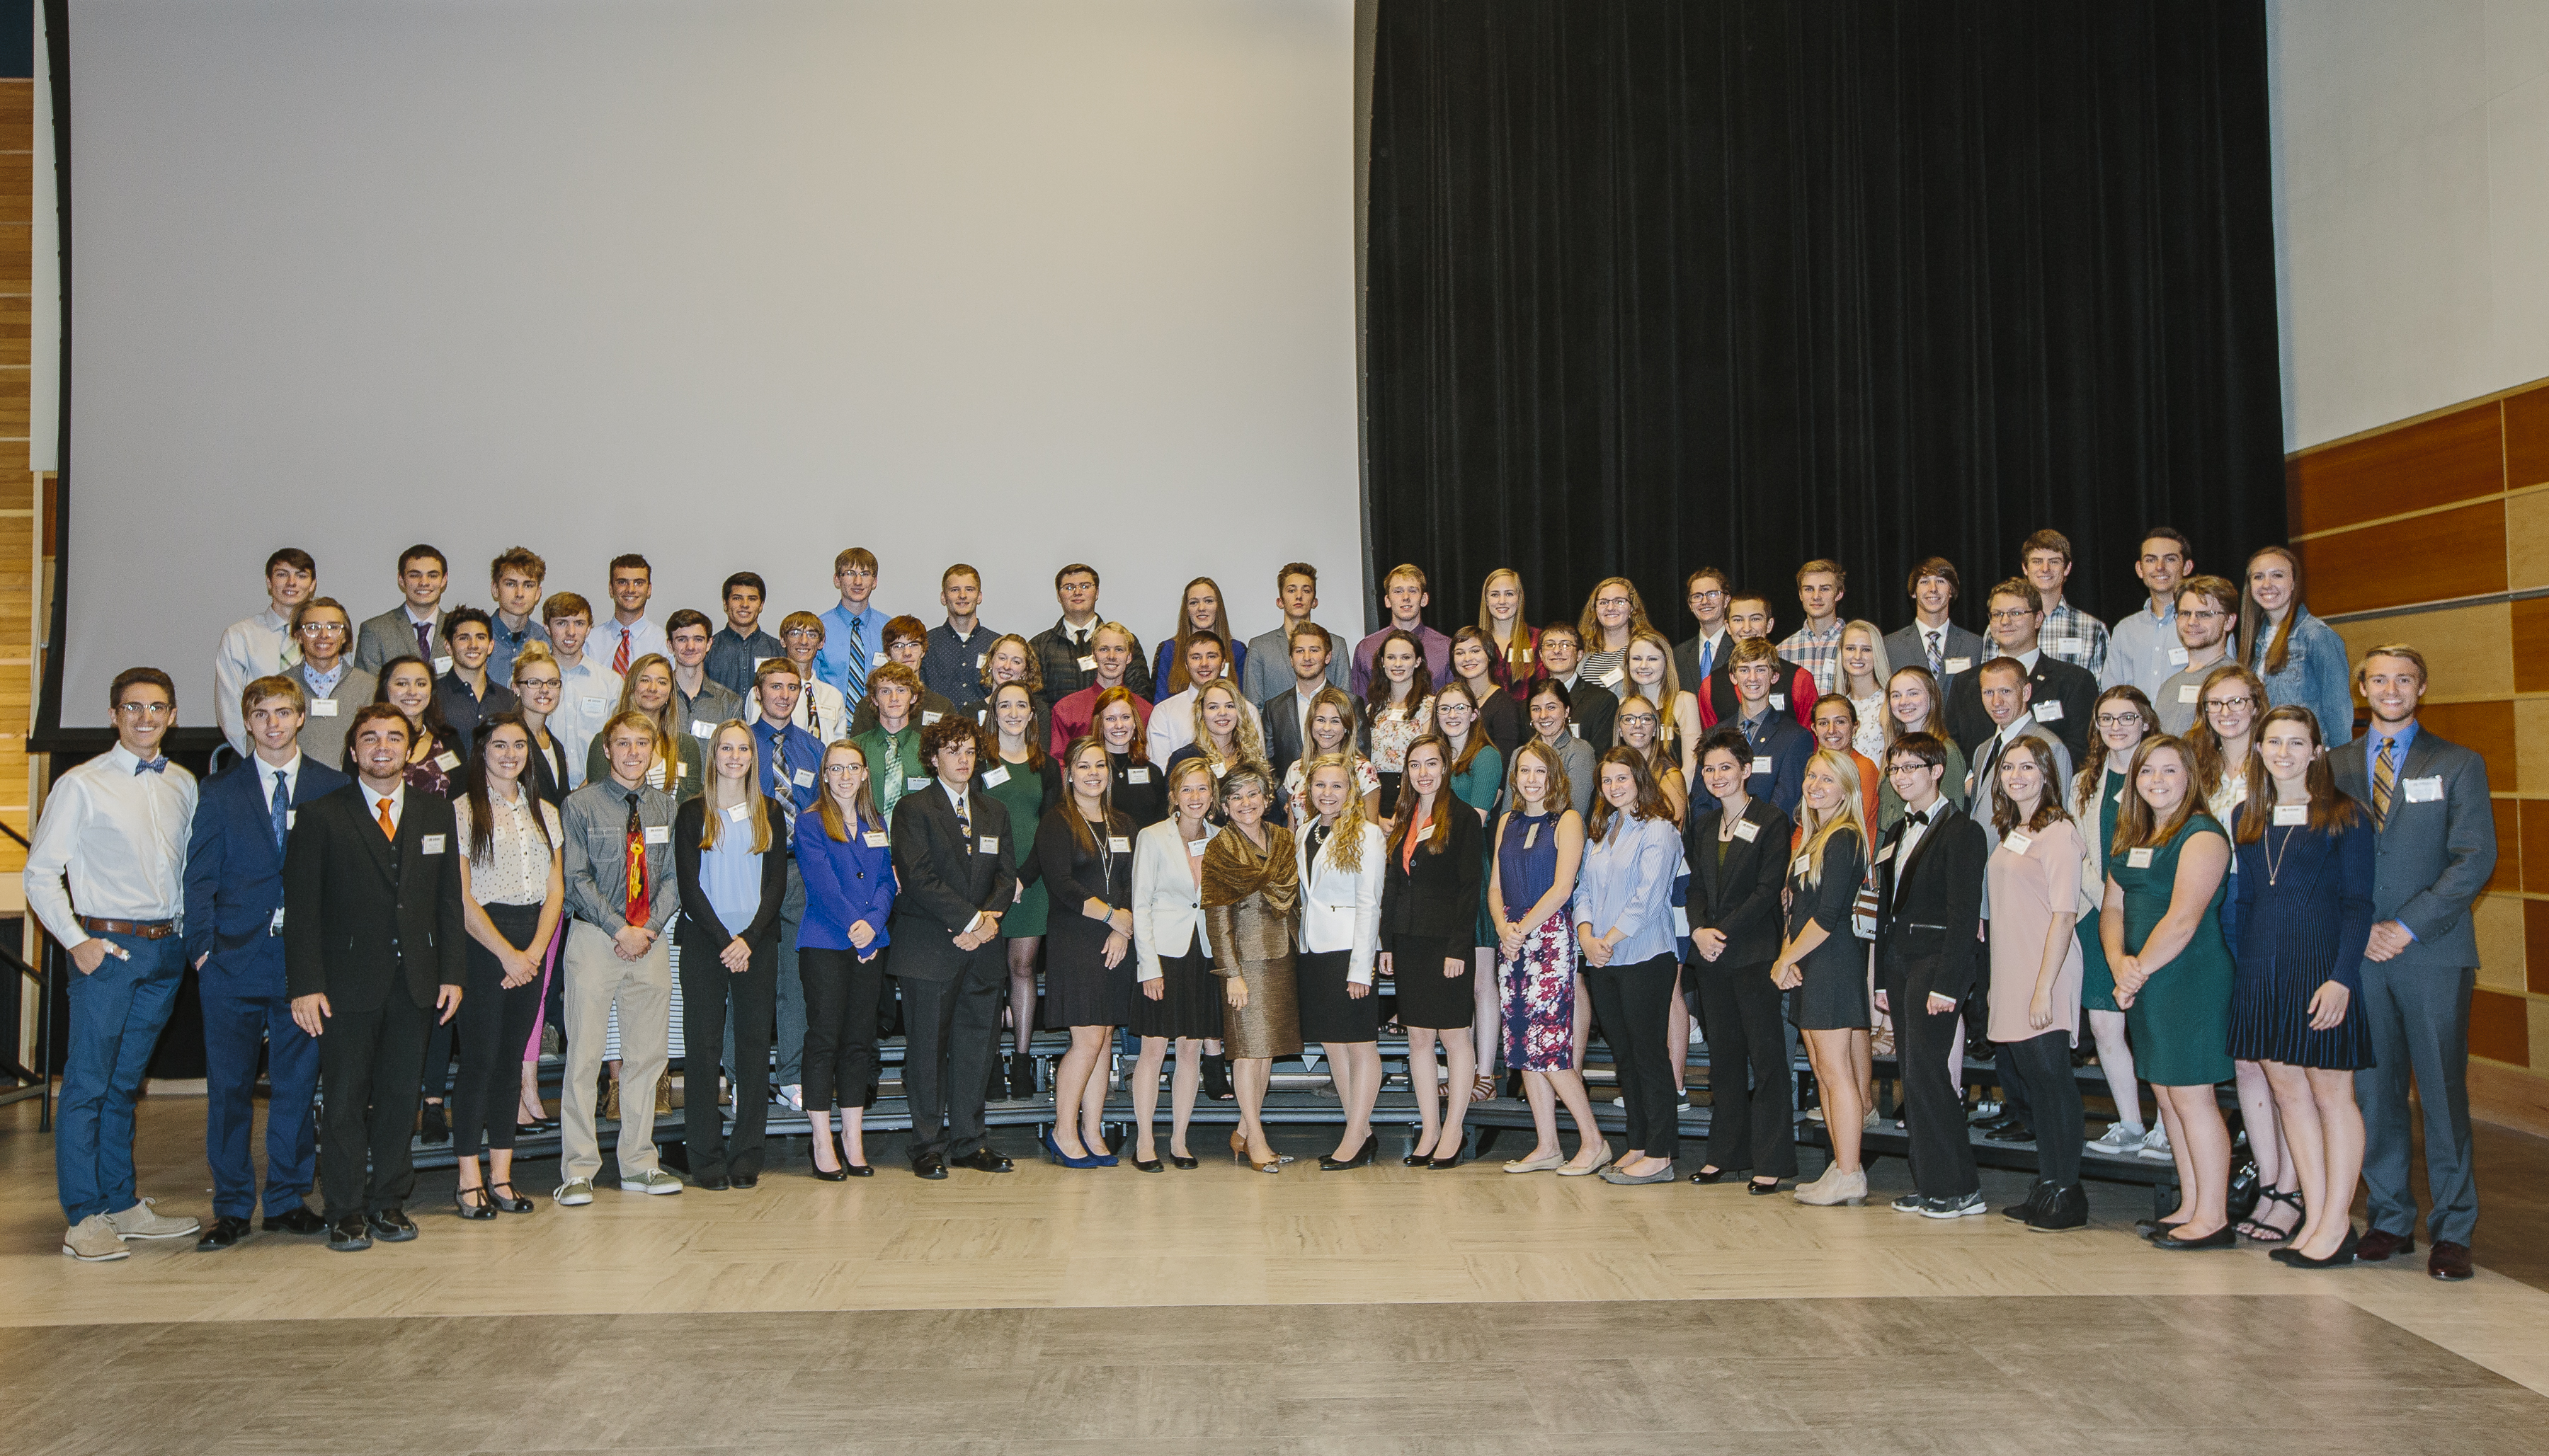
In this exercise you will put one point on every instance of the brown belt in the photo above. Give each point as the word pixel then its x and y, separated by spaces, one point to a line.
pixel 148 930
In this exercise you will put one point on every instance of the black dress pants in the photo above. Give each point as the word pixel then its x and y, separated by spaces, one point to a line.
pixel 949 1030
pixel 495 1023
pixel 2045 1063
pixel 708 990
pixel 1933 1109
pixel 841 993
pixel 369 1065
pixel 2016 1098
pixel 1635 1005
pixel 1750 1122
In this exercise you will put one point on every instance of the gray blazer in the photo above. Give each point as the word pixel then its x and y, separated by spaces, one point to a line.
pixel 1282 728
pixel 1905 648
pixel 1580 761
pixel 324 737
pixel 1269 669
pixel 2434 856
pixel 390 635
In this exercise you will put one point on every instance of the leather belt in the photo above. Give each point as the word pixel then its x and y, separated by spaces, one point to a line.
pixel 148 930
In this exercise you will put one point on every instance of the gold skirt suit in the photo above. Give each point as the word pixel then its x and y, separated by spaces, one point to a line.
pixel 1250 898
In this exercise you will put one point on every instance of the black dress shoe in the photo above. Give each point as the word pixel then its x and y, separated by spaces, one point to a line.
pixel 2059 1209
pixel 1328 1164
pixel 984 1160
pixel 1182 1162
pixel 712 1182
pixel 1149 1165
pixel 349 1233
pixel 1714 1176
pixel 1216 1078
pixel 1417 1159
pixel 2011 1132
pixel 1439 1164
pixel 296 1221
pixel 437 1128
pixel 474 1203
pixel 2343 1255
pixel 928 1165
pixel 2020 1212
pixel 743 1180
pixel 221 1233
pixel 1759 1189
pixel 2226 1236
pixel 391 1226
pixel 1021 1077
pixel 508 1201
pixel 857 1170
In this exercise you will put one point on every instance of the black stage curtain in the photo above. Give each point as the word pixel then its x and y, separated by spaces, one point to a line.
pixel 1657 284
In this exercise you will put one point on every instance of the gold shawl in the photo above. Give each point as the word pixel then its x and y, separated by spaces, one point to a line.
pixel 1233 870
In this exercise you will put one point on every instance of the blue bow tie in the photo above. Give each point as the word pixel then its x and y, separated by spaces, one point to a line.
pixel 155 766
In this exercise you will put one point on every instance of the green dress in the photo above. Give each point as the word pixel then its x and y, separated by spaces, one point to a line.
pixel 2181 1022
pixel 2097 979
pixel 1026 794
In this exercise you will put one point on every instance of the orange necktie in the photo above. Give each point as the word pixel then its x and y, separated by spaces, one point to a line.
pixel 388 829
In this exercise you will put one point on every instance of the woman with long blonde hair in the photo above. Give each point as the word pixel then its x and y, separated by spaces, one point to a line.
pixel 1823 961
pixel 1341 869
pixel 1501 616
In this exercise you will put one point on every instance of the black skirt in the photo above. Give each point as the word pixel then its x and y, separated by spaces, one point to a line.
pixel 1426 996
pixel 1328 1014
pixel 1080 988
pixel 1189 1004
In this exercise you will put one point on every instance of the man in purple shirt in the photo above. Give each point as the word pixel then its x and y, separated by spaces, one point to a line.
pixel 1402 593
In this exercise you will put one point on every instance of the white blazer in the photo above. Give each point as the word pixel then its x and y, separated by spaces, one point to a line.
pixel 1340 909
pixel 1168 897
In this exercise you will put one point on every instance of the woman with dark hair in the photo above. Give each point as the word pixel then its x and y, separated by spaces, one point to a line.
pixel 1623 929
pixel 2121 719
pixel 1016 770
pixel 1399 710
pixel 1737 853
pixel 2307 855
pixel 1550 705
pixel 2033 880
pixel 1429 915
pixel 2301 658
pixel 1084 854
pixel 513 891
pixel 1012 659
pixel 1477 780
pixel 1477 666
pixel 1199 611
pixel 847 861
pixel 731 860
pixel 1540 851
pixel 436 751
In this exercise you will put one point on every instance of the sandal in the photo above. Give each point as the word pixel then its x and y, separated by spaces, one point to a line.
pixel 1482 1089
pixel 2256 1230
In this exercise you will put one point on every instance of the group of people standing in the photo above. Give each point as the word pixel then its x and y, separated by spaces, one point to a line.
pixel 486 823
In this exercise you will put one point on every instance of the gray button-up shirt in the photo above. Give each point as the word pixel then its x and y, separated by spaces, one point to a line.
pixel 597 853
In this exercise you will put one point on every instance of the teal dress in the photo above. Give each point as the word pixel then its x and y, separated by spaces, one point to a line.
pixel 2097 982
pixel 1480 787
pixel 2181 1020
pixel 1026 794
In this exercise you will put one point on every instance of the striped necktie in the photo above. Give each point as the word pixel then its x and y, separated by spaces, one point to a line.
pixel 856 688
pixel 2385 782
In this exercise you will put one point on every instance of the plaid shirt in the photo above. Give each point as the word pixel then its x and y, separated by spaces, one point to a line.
pixel 2073 636
pixel 1817 653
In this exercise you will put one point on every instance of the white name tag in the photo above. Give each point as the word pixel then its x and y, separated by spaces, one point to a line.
pixel 928 719
pixel 659 834
pixel 2069 644
pixel 291 817
pixel 442 665
pixel 592 704
pixel 1117 843
pixel 2177 655
pixel 1778 699
pixel 2190 692
pixel 2016 843
pixel 1681 923
pixel 323 707
pixel 2048 712
pixel 1195 848
pixel 2138 859
pixel 1885 853
pixel 430 843
pixel 914 782
pixel 2292 813
pixel 802 779
pixel 2425 790
pixel 876 839
pixel 1804 863
pixel 275 926
pixel 447 761
pixel 1611 678
pixel 1576 728
pixel 1762 767
pixel 1219 769
pixel 2117 798
pixel 996 777
pixel 736 812
pixel 1746 831
pixel 991 845
pixel 700 729
pixel 1088 664
pixel 1959 665
pixel 978 660
pixel 1137 776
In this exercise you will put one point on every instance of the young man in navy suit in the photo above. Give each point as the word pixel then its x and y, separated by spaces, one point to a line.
pixel 234 942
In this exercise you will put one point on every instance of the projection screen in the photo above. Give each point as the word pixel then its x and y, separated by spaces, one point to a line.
pixel 734 284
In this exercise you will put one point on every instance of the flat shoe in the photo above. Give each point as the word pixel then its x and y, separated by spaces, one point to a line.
pixel 1613 1174
pixel 1537 1164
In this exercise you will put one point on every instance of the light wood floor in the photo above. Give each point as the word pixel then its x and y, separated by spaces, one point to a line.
pixel 1045 1237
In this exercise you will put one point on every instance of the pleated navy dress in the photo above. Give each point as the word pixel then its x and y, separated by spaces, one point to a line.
pixel 2304 914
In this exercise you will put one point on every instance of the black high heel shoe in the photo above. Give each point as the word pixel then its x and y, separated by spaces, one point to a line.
pixel 850 1166
pixel 480 1207
pixel 829 1175
pixel 1329 1163
pixel 510 1202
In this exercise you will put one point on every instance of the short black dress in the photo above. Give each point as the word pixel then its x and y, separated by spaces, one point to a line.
pixel 1834 997
pixel 1080 988
pixel 1426 996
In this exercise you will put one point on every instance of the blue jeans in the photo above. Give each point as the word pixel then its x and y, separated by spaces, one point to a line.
pixel 117 1013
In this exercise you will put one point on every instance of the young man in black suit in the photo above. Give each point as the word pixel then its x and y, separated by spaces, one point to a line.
pixel 373 954
pixel 2060 696
pixel 956 860
pixel 1930 890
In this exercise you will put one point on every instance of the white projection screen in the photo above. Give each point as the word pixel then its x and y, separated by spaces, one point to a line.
pixel 732 283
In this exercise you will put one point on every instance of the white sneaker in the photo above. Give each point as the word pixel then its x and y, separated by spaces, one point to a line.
pixel 2155 1146
pixel 793 1097
pixel 1620 1101
pixel 1814 1114
pixel 93 1240
pixel 2121 1140
pixel 654 1181
pixel 574 1193
pixel 141 1220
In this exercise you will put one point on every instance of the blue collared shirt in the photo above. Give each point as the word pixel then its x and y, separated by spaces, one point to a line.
pixel 833 658
pixel 2407 737
pixel 787 751
pixel 1627 884
pixel 952 667
pixel 509 645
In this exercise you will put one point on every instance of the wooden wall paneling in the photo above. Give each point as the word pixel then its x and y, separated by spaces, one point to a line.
pixel 2534 846
pixel 2451 457
pixel 2526 539
pixel 2487 727
pixel 2401 563
pixel 2526 438
pixel 2508 878
pixel 2500 1027
pixel 2535 946
pixel 2465 647
pixel 2496 922
pixel 2529 622
pixel 2531 750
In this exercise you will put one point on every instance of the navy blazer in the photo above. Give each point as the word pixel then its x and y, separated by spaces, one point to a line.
pixel 235 875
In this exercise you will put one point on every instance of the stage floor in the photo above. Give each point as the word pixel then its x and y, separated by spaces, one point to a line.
pixel 1382 1309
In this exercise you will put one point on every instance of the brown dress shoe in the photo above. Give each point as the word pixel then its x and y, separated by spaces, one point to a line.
pixel 2449 1260
pixel 2380 1244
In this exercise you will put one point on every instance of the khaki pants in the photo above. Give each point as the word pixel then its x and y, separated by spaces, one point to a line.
pixel 596 977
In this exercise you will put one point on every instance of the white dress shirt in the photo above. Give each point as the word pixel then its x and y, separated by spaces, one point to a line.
pixel 265 773
pixel 588 694
pixel 602 649
pixel 120 835
pixel 258 647
pixel 964 816
pixel 2144 650
pixel 396 799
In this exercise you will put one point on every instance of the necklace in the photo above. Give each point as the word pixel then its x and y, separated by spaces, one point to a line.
pixel 2275 858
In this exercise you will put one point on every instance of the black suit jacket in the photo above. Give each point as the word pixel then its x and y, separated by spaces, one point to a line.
pixel 944 879
pixel 699 917
pixel 1439 898
pixel 1593 709
pixel 1741 899
pixel 1284 731
pixel 2053 682
pixel 364 913
pixel 1925 939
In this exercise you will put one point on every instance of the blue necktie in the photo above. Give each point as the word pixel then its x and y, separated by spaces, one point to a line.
pixel 1707 656
pixel 858 673
pixel 155 766
pixel 282 809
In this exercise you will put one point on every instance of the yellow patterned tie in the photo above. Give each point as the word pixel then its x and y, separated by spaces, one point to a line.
pixel 2384 781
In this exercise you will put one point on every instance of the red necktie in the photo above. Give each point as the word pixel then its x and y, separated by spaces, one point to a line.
pixel 637 895
pixel 620 659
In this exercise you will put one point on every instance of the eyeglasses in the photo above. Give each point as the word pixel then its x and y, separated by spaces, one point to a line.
pixel 814 633
pixel 2243 700
pixel 1645 719
pixel 1707 596
pixel 2209 614
pixel 2012 614
pixel 1910 768
pixel 146 709
pixel 529 682
pixel 323 629
pixel 2119 720
pixel 1610 601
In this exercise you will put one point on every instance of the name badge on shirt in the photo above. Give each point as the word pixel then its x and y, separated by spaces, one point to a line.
pixel 430 843
pixel 274 927
pixel 2425 790
pixel 978 659
pixel 1762 767
pixel 1779 701
pixel 1196 847
pixel 2190 692
pixel 1885 853
pixel 659 834
pixel 1957 665
pixel 323 707
pixel 1219 769
pixel 2177 655
pixel 802 779
pixel 702 730
pixel 447 761
pixel 1804 864
pixel 442 665
pixel 876 838
pixel 1522 655
pixel 1137 776
pixel 996 777
pixel 2117 798
pixel 2016 843
pixel 1117 843
pixel 914 782
pixel 2069 644
pixel 2292 813
pixel 593 705
pixel 291 817
pixel 1746 831
pixel 2138 859
pixel 2047 711
pixel 736 812
pixel 991 845
pixel 928 719
pixel 1576 728
pixel 1088 664
pixel 1612 677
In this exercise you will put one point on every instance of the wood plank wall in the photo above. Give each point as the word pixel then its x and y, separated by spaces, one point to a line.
pixel 2399 529
pixel 18 559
